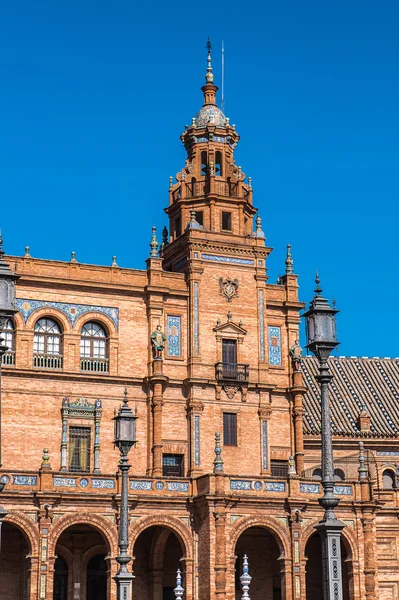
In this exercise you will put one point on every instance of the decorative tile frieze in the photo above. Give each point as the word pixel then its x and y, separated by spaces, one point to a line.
pixel 43 579
pixel 64 481
pixel 265 459
pixel 72 311
pixel 261 326
pixel 275 486
pixel 107 484
pixel 240 484
pixel 176 486
pixel 309 488
pixel 383 453
pixel 84 482
pixel 141 485
pixel 197 458
pixel 343 490
pixel 227 259
pixel 5 479
pixel 274 345
pixel 174 336
pixel 30 480
pixel 196 318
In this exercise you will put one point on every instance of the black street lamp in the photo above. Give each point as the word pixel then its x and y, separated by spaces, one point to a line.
pixel 321 340
pixel 125 438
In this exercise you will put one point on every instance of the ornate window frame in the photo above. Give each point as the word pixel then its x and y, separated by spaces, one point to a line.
pixel 81 413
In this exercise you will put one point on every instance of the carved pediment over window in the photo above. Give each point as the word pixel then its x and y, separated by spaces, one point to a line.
pixel 230 328
pixel 81 407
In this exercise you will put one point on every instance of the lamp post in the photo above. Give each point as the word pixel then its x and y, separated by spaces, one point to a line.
pixel 125 438
pixel 321 341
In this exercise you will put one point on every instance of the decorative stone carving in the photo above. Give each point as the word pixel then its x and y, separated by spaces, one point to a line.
pixel 228 288
pixel 296 354
pixel 158 339
pixel 230 391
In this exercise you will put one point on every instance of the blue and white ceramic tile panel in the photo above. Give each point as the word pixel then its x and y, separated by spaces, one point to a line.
pixel 143 485
pixel 197 459
pixel 24 480
pixel 174 336
pixel 196 318
pixel 274 345
pixel 309 488
pixel 343 490
pixel 177 486
pixel 64 481
pixel 246 485
pixel 274 486
pixel 104 484
pixel 261 326
pixel 72 311
pixel 264 446
pixel 227 259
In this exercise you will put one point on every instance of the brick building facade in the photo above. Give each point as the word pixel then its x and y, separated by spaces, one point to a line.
pixel 81 336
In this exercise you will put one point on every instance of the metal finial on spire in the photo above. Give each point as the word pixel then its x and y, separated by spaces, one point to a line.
pixel 289 263
pixel 245 579
pixel 179 590
pixel 218 465
pixel 318 289
pixel 154 244
pixel 209 73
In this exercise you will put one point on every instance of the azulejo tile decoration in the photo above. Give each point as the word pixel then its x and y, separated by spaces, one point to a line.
pixel 228 259
pixel 5 479
pixel 159 486
pixel 383 453
pixel 274 486
pixel 264 445
pixel 196 318
pixel 257 485
pixel 72 311
pixel 107 484
pixel 261 327
pixel 141 485
pixel 84 482
pixel 274 345
pixel 234 518
pixel 64 482
pixel 343 490
pixel 174 336
pixel 309 488
pixel 240 484
pixel 177 486
pixel 24 480
pixel 197 458
pixel 210 114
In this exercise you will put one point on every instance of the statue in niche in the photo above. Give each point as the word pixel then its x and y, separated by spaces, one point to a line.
pixel 158 339
pixel 296 355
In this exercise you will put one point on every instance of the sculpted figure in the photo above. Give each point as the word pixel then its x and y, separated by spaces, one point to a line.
pixel 296 354
pixel 158 339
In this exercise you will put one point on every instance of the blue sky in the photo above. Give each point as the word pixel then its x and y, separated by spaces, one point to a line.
pixel 95 96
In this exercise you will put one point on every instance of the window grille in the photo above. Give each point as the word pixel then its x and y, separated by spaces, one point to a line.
pixel 79 449
pixel 172 465
pixel 93 348
pixel 279 468
pixel 229 429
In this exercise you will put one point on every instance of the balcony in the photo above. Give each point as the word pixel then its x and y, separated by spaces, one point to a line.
pixel 94 365
pixel 231 372
pixel 47 361
pixel 8 359
pixel 201 188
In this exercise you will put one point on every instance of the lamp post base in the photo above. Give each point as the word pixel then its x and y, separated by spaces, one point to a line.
pixel 123 585
pixel 330 533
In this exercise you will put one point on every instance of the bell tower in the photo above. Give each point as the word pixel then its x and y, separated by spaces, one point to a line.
pixel 211 192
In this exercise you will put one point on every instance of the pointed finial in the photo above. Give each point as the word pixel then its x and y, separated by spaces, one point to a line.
pixel 154 244
pixel 318 289
pixel 289 263
pixel 179 590
pixel 258 231
pixel 229 316
pixel 125 397
pixel 45 459
pixel 114 263
pixel 73 257
pixel 250 182
pixel 209 73
pixel 218 465
pixel 27 250
pixel 362 470
pixel 245 579
pixel 170 181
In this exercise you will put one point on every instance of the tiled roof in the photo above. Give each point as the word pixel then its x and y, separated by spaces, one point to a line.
pixel 370 383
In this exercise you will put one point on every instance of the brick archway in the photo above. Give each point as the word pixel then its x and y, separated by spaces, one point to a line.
pixel 172 523
pixel 270 523
pixel 105 528
pixel 27 527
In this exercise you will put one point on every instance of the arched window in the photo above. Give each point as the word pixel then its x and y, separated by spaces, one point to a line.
pixel 218 164
pixel 93 348
pixel 8 335
pixel 47 352
pixel 339 475
pixel 204 163
pixel 317 474
pixel 388 480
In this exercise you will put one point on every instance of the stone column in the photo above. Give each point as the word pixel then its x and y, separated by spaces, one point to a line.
pixel 158 381
pixel 298 391
pixel 295 522
pixel 220 553
pixel 369 555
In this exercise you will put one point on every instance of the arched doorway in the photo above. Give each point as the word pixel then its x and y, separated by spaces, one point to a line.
pixel 263 552
pixel 314 569
pixel 157 556
pixel 81 568
pixel 14 563
pixel 60 579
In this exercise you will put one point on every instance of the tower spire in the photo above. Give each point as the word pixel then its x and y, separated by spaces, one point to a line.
pixel 209 88
pixel 209 73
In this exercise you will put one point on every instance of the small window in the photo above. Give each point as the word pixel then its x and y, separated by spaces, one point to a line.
pixel 79 449
pixel 229 352
pixel 218 164
pixel 93 341
pixel 204 163
pixel 279 468
pixel 388 480
pixel 226 221
pixel 8 337
pixel 172 465
pixel 229 429
pixel 199 215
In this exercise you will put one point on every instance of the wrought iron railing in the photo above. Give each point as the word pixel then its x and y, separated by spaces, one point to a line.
pixel 231 372
pixel 47 361
pixel 8 358
pixel 95 365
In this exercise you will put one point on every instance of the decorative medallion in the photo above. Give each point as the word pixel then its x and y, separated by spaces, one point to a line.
pixel 228 288
pixel 230 391
pixel 5 479
pixel 84 482
pixel 159 486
